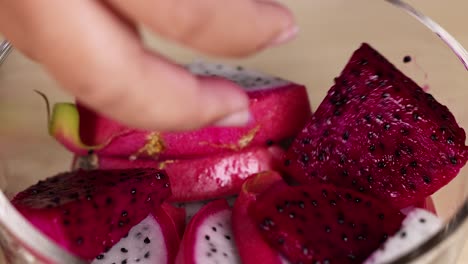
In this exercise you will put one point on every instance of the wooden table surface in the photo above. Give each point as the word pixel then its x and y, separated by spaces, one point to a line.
pixel 24 76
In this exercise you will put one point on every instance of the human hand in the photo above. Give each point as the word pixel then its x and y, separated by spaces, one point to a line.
pixel 94 51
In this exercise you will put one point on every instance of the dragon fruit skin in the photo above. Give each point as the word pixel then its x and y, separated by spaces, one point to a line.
pixel 379 133
pixel 418 226
pixel 69 206
pixel 204 178
pixel 252 248
pixel 279 108
pixel 323 223
pixel 154 240
pixel 208 237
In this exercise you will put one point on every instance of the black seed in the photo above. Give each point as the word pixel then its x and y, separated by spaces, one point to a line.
pixel 367 118
pixel 287 162
pixel 361 189
pixel 453 160
pixel 124 213
pixel 225 254
pixel 354 182
pixel 348 196
pixel 363 97
pixel 108 200
pixel 381 164
pixel 403 171
pixel 281 241
pixel 345 173
pixel 279 209
pixel 406 59
pixel 434 137
pixel 326 133
pixel 208 254
pixel 314 203
pixel 207 237
pixel 147 240
pixel 397 116
pixel 379 117
pixel 403 234
pixel 346 135
pixel 100 256
pixel 227 237
pixel 422 220
pixel 324 193
pixel 445 117
pixel 133 191
pixel 372 148
pixel 337 112
pixel 306 141
pixel 123 250
pixel 426 179
pixel 450 140
pixel 415 116
pixel 270 142
pixel 89 197
pixel 124 261
pixel 381 216
pixel 344 237
pixel 66 222
pixel 121 223
pixel 147 254
pixel 240 68
pixel 363 62
pixel 292 215
pixel 79 241
pixel 357 200
pixel 385 95
pixel 214 250
pixel 332 202
pixel 301 204
pixel 305 158
pixel 341 220
pixel 386 126
pixel 414 164
pixel 404 131
pixel 214 228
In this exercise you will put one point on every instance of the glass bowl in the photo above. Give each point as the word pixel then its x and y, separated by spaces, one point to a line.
pixel 330 31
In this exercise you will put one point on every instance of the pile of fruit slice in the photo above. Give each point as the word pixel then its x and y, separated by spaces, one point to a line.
pixel 350 183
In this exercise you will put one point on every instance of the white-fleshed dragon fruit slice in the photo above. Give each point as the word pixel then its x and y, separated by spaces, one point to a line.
pixel 279 111
pixel 418 226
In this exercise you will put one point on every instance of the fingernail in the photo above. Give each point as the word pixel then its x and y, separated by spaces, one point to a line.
pixel 285 36
pixel 236 119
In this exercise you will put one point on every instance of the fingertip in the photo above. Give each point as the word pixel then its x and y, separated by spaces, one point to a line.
pixel 226 103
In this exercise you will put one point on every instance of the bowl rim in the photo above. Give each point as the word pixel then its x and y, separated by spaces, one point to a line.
pixel 47 249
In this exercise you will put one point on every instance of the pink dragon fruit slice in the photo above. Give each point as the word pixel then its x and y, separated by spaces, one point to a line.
pixel 208 238
pixel 280 109
pixel 378 132
pixel 87 212
pixel 418 227
pixel 252 248
pixel 323 223
pixel 154 240
pixel 200 178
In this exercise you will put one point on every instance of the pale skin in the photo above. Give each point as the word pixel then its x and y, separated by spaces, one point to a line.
pixel 93 50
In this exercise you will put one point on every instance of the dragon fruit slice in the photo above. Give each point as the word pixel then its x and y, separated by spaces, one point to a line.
pixel 378 132
pixel 192 208
pixel 323 223
pixel 252 248
pixel 153 240
pixel 200 178
pixel 418 227
pixel 87 212
pixel 280 109
pixel 208 237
